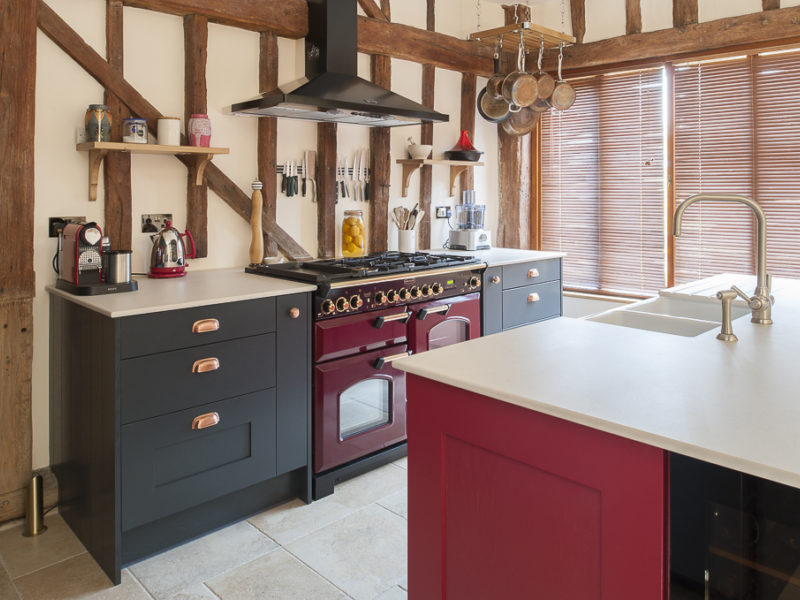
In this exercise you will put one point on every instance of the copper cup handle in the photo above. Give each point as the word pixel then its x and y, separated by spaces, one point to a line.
pixel 205 365
pixel 206 420
pixel 205 325
pixel 534 297
pixel 533 273
pixel 294 312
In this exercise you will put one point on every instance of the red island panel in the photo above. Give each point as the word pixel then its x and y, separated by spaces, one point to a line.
pixel 505 502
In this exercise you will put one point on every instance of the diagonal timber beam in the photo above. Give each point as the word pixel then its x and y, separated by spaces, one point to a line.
pixel 372 10
pixel 70 42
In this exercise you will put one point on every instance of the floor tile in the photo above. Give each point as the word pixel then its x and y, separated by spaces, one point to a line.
pixel 363 554
pixel 277 575
pixel 402 462
pixel 181 569
pixel 394 593
pixel 23 555
pixel 397 503
pixel 78 578
pixel 7 589
pixel 294 520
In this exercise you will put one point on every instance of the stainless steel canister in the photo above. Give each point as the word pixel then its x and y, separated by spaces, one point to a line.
pixel 119 266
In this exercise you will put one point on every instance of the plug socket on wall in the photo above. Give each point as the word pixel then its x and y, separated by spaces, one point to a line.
pixel 443 212
pixel 57 224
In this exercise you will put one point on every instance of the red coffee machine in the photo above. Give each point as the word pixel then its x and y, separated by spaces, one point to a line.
pixel 80 254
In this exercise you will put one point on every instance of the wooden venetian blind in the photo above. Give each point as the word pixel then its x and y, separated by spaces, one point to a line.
pixel 603 183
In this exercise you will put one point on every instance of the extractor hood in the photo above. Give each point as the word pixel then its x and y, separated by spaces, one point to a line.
pixel 331 90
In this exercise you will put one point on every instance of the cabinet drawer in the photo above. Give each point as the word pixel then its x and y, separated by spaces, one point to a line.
pixel 531 272
pixel 170 330
pixel 167 466
pixel 335 338
pixel 162 383
pixel 531 303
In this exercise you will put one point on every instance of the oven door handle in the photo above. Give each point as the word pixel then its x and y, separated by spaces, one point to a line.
pixel 402 317
pixel 380 362
pixel 442 308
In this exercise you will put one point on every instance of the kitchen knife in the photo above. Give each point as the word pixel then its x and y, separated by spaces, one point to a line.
pixel 360 175
pixel 283 177
pixel 305 172
pixel 366 175
pixel 312 174
pixel 356 172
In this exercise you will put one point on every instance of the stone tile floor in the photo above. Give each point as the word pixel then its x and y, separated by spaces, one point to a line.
pixel 352 544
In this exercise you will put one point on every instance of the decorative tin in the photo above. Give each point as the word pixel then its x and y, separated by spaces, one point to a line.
pixel 98 123
pixel 134 131
pixel 199 130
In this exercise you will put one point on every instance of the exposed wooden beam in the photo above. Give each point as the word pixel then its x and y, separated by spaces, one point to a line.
pixel 326 189
pixel 17 118
pixel 684 12
pixel 195 44
pixel 268 133
pixel 577 12
pixel 68 40
pixel 762 29
pixel 770 4
pixel 380 157
pixel 286 18
pixel 117 167
pixel 468 98
pixel 372 10
pixel 633 16
pixel 426 135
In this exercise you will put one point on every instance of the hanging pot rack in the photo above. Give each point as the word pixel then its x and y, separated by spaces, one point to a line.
pixel 532 36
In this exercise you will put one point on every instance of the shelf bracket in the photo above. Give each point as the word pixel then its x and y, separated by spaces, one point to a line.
pixel 455 171
pixel 202 161
pixel 408 170
pixel 95 159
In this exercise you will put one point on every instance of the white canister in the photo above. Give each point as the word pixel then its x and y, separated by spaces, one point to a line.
pixel 407 240
pixel 169 131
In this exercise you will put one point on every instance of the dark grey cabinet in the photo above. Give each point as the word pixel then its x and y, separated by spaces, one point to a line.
pixel 521 293
pixel 167 425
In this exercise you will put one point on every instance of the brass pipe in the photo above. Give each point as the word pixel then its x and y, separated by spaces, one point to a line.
pixel 34 515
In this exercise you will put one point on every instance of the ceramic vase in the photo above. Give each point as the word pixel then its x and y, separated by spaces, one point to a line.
pixel 97 123
pixel 199 130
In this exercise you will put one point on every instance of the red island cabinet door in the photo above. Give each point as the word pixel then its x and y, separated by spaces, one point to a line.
pixel 505 502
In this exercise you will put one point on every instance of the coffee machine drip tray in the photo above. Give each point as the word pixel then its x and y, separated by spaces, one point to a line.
pixel 470 239
pixel 96 289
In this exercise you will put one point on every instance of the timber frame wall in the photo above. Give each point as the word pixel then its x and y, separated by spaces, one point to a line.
pixel 377 36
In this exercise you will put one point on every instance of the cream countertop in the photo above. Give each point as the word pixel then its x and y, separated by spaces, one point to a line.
pixel 496 257
pixel 733 404
pixel 197 288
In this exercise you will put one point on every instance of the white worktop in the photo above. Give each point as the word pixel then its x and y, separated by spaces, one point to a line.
pixel 733 404
pixel 196 288
pixel 496 257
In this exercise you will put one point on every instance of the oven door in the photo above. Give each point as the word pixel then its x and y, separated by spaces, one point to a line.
pixel 444 322
pixel 359 406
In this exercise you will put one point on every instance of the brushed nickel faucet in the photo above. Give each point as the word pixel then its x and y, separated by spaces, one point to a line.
pixel 760 303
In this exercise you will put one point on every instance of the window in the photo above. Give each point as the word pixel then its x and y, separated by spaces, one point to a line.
pixel 736 131
pixel 603 183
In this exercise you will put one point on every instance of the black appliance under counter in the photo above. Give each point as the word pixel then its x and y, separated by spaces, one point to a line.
pixel 165 425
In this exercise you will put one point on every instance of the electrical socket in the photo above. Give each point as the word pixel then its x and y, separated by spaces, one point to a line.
pixel 443 212
pixel 57 224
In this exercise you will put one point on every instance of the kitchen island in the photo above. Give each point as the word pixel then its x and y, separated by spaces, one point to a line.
pixel 585 414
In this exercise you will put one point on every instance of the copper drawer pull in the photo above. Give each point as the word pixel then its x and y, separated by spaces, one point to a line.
pixel 205 325
pixel 533 273
pixel 496 279
pixel 205 364
pixel 380 362
pixel 206 420
pixel 294 312
pixel 534 297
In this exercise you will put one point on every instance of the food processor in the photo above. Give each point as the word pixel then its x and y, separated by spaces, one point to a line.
pixel 469 233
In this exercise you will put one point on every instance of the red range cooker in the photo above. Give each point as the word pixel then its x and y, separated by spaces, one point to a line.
pixel 368 312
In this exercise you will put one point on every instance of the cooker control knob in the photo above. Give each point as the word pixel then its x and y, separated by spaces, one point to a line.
pixel 391 296
pixel 380 298
pixel 436 288
pixel 426 290
pixel 403 294
pixel 356 302
pixel 474 282
pixel 415 293
pixel 341 304
pixel 328 307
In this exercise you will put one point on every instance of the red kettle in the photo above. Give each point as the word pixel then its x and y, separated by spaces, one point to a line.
pixel 169 253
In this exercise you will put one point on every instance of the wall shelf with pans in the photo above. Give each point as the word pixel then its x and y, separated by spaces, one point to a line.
pixel 98 150
pixel 532 35
pixel 456 167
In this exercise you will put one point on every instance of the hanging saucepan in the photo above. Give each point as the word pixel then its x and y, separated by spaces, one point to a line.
pixel 521 122
pixel 495 83
pixel 564 94
pixel 519 87
pixel 545 84
pixel 492 108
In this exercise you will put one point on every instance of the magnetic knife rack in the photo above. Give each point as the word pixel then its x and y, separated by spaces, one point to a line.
pixel 350 170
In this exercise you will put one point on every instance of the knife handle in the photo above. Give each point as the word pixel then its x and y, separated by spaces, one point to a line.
pixel 304 187
pixel 366 191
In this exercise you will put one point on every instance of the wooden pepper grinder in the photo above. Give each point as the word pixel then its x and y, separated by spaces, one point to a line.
pixel 257 241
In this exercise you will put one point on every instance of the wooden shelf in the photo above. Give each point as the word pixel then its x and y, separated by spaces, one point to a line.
pixel 98 150
pixel 532 35
pixel 456 167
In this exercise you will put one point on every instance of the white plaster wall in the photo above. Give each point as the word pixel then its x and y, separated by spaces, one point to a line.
pixel 709 10
pixel 656 15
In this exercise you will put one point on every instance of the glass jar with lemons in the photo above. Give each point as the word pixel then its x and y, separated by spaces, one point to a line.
pixel 353 234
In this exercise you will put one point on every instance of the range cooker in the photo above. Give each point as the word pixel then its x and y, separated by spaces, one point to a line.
pixel 368 312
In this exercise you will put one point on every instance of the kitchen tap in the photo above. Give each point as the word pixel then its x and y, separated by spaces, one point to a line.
pixel 760 303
